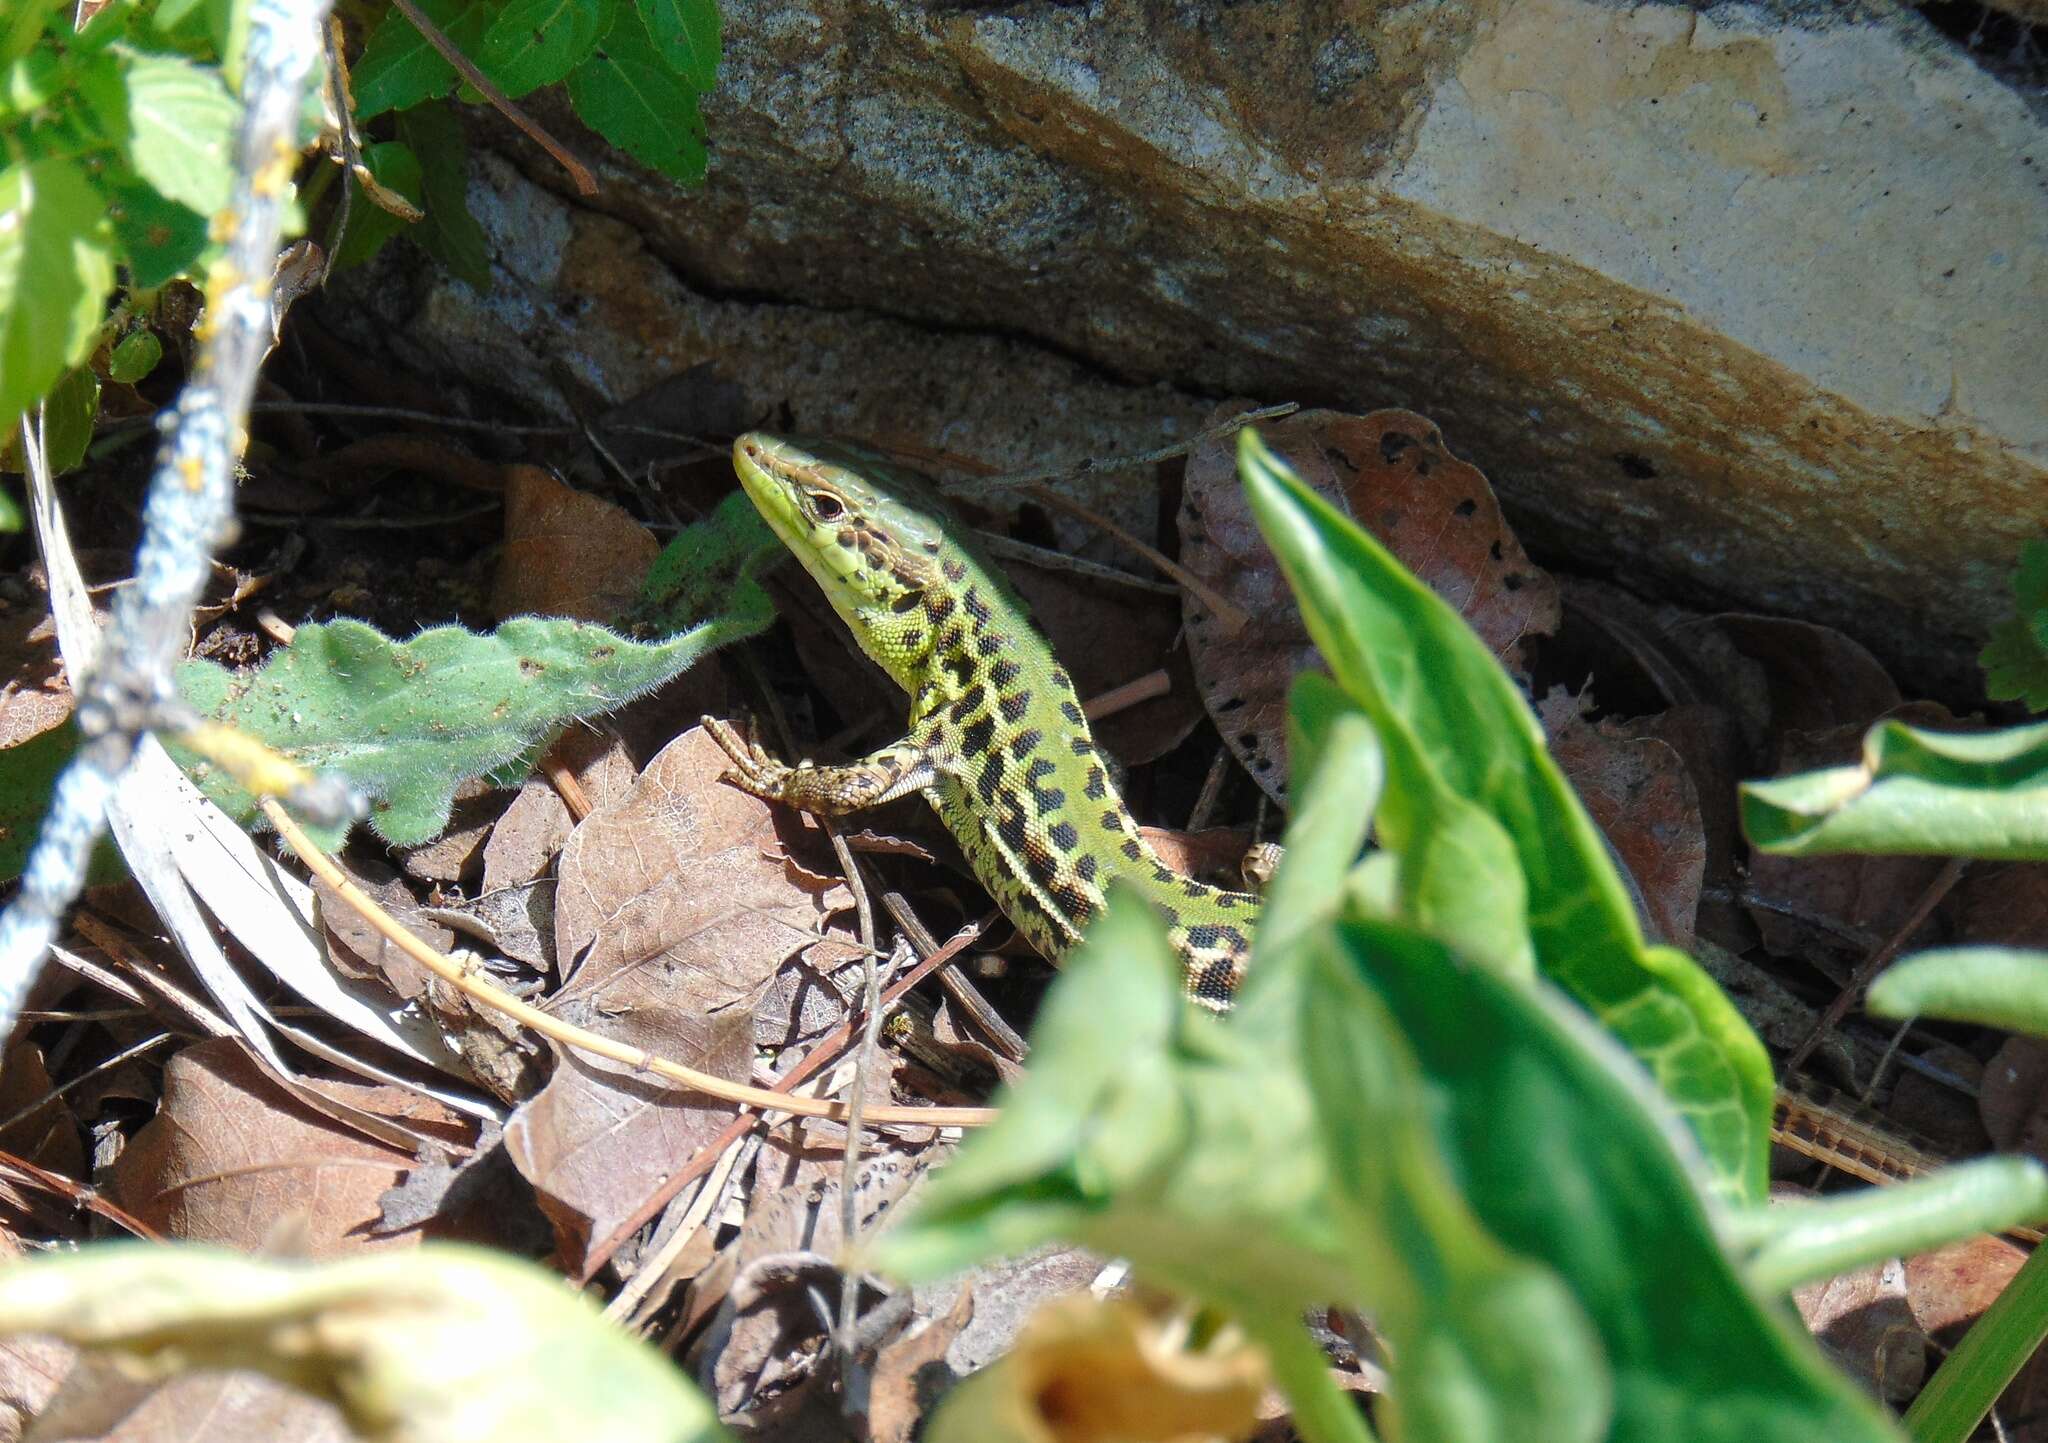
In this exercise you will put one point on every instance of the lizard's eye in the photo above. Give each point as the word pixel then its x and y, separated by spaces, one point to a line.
pixel 825 506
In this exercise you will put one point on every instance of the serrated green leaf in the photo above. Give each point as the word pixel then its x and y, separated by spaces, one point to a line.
pixel 686 36
pixel 1476 817
pixel 1974 794
pixel 400 66
pixel 181 123
pixel 627 93
pixel 2015 659
pixel 537 42
pixel 135 357
pixel 68 415
pixel 160 239
pixel 55 272
pixel 395 168
pixel 450 234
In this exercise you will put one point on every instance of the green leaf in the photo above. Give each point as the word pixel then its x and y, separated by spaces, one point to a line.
pixel 1564 1155
pixel 450 234
pixel 1977 794
pixel 441 1342
pixel 537 42
pixel 1998 986
pixel 1973 1377
pixel 627 94
pixel 2015 660
pixel 396 168
pixel 55 272
pixel 400 67
pixel 68 415
pixel 160 239
pixel 685 34
pixel 135 357
pixel 22 24
pixel 181 123
pixel 408 722
pixel 1489 839
pixel 11 518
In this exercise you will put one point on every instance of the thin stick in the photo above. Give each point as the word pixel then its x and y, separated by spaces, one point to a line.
pixel 586 183
pixel 596 1044
pixel 1231 615
pixel 1123 698
pixel 620 1308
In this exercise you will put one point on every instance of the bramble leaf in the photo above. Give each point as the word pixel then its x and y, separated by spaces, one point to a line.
pixel 55 272
pixel 400 66
pixel 628 94
pixel 686 35
pixel 181 123
pixel 536 42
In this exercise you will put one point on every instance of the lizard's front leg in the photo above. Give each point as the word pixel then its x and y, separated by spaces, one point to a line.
pixel 881 776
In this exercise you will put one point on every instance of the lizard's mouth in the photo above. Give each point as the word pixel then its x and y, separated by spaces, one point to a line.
pixel 770 471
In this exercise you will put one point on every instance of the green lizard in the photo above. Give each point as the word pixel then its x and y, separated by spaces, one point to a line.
pixel 997 743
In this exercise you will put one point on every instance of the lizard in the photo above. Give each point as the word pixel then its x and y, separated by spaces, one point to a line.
pixel 997 742
pixel 998 745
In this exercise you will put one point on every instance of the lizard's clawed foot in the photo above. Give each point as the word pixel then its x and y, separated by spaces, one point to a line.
pixel 754 768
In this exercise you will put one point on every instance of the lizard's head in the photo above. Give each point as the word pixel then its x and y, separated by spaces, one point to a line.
pixel 869 531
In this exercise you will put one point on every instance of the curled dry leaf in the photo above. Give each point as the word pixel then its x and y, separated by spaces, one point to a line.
pixel 1642 797
pixel 1392 472
pixel 1817 677
pixel 1084 1370
pixel 673 911
pixel 567 553
pixel 230 1157
pixel 1863 1320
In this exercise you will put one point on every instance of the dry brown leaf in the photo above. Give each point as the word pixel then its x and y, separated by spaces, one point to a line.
pixel 457 855
pixel 673 911
pixel 567 553
pixel 1817 677
pixel 34 693
pixel 358 950
pixel 911 1372
pixel 1949 1288
pixel 49 1136
pixel 230 1156
pixel 1641 795
pixel 1392 472
pixel 31 1371
pixel 99 1405
pixel 1214 854
pixel 537 824
pixel 1863 1320
pixel 2014 1098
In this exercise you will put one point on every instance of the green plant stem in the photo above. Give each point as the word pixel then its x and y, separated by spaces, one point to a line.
pixel 1323 1412
pixel 1963 1389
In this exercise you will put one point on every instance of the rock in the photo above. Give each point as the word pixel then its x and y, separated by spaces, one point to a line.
pixel 1744 304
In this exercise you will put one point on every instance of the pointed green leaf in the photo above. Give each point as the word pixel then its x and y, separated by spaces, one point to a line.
pixel 55 272
pixel 1969 794
pixel 68 415
pixel 627 93
pixel 1480 821
pixel 537 42
pixel 395 168
pixel 1997 986
pixel 160 239
pixel 685 33
pixel 450 234
pixel 181 123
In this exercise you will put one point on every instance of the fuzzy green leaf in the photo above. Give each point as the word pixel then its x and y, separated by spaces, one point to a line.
pixel 135 357
pixel 181 123
pixel 2015 660
pixel 1974 794
pixel 408 722
pixel 685 32
pixel 400 67
pixel 1997 986
pixel 450 234
pixel 55 272
pixel 627 93
pixel 537 42
pixel 1493 850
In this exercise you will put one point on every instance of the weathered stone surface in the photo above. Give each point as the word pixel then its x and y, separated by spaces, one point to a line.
pixel 1746 302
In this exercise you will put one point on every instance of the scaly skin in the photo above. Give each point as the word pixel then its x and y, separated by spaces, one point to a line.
pixel 996 741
